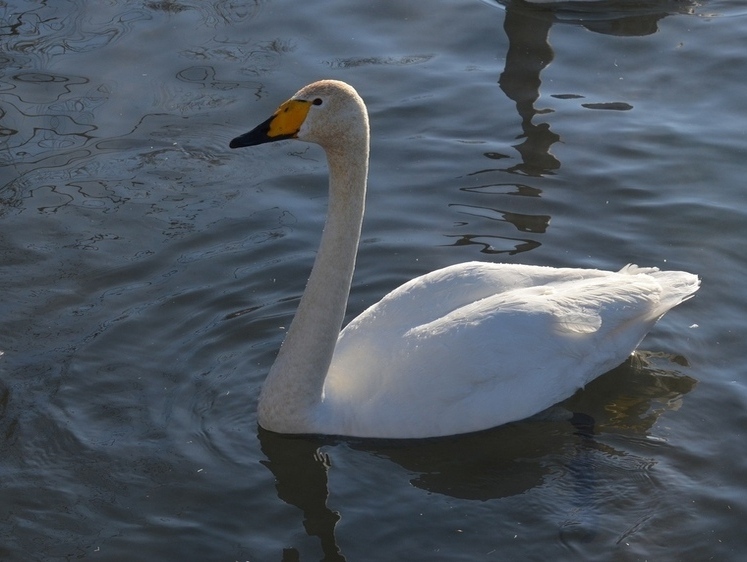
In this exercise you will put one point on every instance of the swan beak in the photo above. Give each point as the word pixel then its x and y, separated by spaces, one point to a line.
pixel 284 124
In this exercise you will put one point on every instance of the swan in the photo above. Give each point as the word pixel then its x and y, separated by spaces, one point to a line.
pixel 461 349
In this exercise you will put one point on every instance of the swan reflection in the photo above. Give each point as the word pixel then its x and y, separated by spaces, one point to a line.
pixel 559 450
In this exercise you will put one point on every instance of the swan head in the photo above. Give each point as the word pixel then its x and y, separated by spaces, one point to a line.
pixel 329 113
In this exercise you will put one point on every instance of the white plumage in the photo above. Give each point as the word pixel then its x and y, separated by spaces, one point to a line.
pixel 461 349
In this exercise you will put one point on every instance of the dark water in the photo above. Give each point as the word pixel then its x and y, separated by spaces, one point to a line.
pixel 148 274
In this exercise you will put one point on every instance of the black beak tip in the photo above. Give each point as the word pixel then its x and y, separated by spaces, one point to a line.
pixel 258 135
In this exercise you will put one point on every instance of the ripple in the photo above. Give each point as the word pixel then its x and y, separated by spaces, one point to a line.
pixel 609 106
pixel 380 61
pixel 150 274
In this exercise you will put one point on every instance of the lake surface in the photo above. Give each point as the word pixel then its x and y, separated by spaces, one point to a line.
pixel 149 273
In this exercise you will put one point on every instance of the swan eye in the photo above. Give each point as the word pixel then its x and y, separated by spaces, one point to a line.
pixel 317 101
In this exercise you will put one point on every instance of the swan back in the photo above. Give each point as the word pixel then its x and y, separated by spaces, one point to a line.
pixel 477 345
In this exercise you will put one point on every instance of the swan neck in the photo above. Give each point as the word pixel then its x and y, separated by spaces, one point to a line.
pixel 294 388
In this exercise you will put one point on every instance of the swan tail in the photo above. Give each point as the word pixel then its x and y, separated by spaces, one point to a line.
pixel 677 286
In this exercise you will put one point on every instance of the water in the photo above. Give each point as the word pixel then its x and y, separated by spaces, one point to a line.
pixel 148 274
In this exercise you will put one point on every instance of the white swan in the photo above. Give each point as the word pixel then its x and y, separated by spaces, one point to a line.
pixel 464 348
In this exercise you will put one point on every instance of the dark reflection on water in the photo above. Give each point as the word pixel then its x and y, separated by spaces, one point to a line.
pixel 300 469
pixel 527 28
pixel 626 18
pixel 559 449
pixel 492 245
pixel 529 52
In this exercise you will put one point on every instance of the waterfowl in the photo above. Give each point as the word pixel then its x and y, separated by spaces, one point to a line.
pixel 461 349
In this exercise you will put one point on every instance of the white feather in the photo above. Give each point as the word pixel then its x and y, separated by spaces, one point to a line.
pixel 461 349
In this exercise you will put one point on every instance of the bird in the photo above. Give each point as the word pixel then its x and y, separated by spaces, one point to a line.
pixel 458 350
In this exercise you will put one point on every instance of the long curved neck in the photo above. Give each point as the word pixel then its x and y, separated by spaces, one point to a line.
pixel 296 380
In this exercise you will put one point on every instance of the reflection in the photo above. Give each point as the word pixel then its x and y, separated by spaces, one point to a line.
pixel 582 526
pixel 495 244
pixel 527 25
pixel 498 188
pixel 300 469
pixel 652 390
pixel 528 54
pixel 560 449
pixel 507 460
pixel 497 463
pixel 524 223
pixel 488 243
pixel 632 410
pixel 354 62
pixel 625 18
pixel 8 418
pixel 168 6
pixel 609 106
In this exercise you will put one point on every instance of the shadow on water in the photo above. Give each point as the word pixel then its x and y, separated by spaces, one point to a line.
pixel 563 447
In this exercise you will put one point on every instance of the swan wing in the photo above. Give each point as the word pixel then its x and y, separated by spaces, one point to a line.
pixel 477 345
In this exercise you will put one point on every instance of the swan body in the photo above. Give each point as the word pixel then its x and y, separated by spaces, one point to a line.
pixel 460 349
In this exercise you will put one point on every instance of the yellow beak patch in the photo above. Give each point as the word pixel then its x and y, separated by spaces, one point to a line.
pixel 284 124
pixel 289 117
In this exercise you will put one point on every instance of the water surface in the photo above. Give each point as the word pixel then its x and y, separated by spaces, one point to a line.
pixel 149 273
